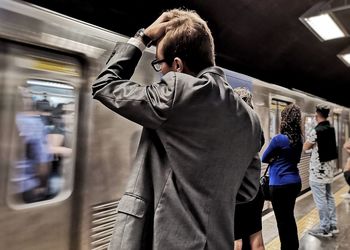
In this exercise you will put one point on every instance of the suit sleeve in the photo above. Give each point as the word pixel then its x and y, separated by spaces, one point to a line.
pixel 250 184
pixel 147 105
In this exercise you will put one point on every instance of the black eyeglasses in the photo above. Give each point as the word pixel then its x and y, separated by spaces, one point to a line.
pixel 156 64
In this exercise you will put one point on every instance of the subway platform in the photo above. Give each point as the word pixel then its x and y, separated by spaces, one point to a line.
pixel 306 215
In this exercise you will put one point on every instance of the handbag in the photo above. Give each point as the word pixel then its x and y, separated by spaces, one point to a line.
pixel 264 185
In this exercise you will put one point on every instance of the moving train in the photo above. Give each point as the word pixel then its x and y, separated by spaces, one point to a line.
pixel 65 158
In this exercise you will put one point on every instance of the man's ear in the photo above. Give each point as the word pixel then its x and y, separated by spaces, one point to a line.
pixel 178 64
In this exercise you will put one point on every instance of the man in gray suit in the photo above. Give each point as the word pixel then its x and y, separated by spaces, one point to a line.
pixel 199 143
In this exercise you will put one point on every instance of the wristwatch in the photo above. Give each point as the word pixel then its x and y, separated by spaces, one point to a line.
pixel 147 41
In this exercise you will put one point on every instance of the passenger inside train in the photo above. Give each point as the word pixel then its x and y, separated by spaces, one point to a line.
pixel 38 173
pixel 34 165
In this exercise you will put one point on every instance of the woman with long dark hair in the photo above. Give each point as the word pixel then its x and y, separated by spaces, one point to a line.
pixel 283 154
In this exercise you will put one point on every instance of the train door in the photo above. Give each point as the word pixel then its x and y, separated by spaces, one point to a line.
pixel 276 107
pixel 346 130
pixel 38 110
pixel 309 123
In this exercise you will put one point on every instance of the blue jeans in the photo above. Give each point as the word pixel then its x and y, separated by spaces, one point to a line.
pixel 325 204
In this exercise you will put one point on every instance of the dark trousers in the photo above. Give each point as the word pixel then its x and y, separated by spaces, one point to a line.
pixel 283 201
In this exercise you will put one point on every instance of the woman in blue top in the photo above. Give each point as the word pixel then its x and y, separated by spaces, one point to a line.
pixel 283 154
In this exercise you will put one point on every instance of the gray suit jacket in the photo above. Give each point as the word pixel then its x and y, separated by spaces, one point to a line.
pixel 198 143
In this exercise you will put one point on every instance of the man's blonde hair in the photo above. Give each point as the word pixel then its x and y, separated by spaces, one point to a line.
pixel 190 39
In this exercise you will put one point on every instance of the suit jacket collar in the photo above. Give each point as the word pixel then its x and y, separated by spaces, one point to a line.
pixel 213 70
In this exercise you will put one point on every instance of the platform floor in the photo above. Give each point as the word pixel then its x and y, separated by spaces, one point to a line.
pixel 307 218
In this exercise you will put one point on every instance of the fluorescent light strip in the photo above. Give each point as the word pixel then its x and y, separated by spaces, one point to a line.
pixel 49 84
pixel 325 26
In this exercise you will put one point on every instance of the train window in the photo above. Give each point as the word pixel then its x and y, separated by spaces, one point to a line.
pixel 276 107
pixel 272 123
pixel 42 166
pixel 309 124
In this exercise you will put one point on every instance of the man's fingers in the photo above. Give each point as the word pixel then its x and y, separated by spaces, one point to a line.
pixel 158 28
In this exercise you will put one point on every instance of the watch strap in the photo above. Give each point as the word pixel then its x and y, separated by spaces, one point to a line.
pixel 147 41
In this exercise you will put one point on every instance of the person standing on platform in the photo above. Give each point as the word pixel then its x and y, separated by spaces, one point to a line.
pixel 283 154
pixel 347 168
pixel 324 151
pixel 248 223
pixel 199 141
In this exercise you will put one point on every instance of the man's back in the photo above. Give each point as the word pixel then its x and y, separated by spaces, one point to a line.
pixel 210 138
pixel 327 148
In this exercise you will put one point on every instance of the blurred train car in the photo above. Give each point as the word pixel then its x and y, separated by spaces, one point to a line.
pixel 269 100
pixel 64 158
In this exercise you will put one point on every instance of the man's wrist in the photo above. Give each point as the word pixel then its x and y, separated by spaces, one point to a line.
pixel 137 43
pixel 140 34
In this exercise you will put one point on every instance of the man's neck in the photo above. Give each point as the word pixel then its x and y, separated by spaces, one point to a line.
pixel 322 120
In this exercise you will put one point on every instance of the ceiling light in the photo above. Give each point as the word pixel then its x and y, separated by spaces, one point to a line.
pixel 325 26
pixel 321 19
pixel 345 56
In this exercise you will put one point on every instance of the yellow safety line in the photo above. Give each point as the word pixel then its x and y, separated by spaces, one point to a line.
pixel 307 222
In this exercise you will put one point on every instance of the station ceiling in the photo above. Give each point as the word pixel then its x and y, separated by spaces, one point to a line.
pixel 263 39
